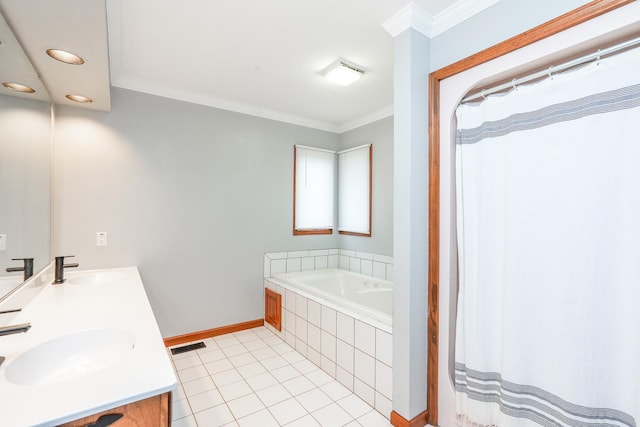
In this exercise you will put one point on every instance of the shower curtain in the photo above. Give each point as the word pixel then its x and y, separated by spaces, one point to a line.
pixel 548 217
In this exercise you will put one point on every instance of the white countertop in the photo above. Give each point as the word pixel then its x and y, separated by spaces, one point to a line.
pixel 109 299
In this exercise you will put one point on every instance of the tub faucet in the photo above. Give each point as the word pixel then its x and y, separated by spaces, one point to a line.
pixel 60 266
pixel 27 267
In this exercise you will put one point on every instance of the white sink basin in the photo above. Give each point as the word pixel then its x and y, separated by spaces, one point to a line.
pixel 96 278
pixel 70 356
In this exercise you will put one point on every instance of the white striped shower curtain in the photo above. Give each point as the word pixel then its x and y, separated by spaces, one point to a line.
pixel 548 217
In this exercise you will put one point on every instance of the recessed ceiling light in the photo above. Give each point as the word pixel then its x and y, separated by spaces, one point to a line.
pixel 79 98
pixel 64 56
pixel 343 73
pixel 18 87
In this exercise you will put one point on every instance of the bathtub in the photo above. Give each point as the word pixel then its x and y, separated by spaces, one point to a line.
pixel 368 297
pixel 341 322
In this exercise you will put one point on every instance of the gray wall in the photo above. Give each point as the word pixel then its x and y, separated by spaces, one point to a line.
pixel 194 196
pixel 380 134
pixel 25 184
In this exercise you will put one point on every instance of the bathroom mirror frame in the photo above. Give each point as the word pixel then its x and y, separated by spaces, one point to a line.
pixel 573 18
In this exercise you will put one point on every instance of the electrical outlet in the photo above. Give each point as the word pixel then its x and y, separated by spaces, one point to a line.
pixel 3 242
pixel 101 238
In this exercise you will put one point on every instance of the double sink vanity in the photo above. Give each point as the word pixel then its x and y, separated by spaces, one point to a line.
pixel 92 353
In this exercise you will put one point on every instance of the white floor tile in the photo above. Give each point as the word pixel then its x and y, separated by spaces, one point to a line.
pixel 253 378
pixel 234 350
pixel 274 394
pixel 373 419
pixel 306 421
pixel 264 353
pixel 304 366
pixel 287 411
pixel 354 406
pixel 313 400
pixel 212 356
pixel 246 336
pixel 192 373
pixel 255 345
pixel 293 357
pixel 285 373
pixel 189 421
pixel 335 390
pixel 262 332
pixel 198 386
pixel 180 409
pixel 208 399
pixel 218 366
pixel 319 377
pixel 214 417
pixel 187 362
pixel 226 341
pixel 226 377
pixel 178 393
pixel 242 359
pixel 332 415
pixel 273 363
pixel 272 340
pixel 261 381
pixel 245 405
pixel 298 385
pixel 251 369
pixel 259 419
pixel 235 390
pixel 282 347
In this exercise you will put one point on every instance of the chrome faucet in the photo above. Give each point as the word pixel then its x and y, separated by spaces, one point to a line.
pixel 14 329
pixel 27 267
pixel 60 266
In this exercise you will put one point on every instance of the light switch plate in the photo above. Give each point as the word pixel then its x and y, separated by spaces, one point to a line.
pixel 3 242
pixel 101 238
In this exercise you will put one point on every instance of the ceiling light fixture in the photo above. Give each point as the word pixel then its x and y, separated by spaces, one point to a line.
pixel 18 87
pixel 79 98
pixel 343 73
pixel 64 56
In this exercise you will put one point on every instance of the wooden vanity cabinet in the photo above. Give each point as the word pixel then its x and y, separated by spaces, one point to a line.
pixel 151 412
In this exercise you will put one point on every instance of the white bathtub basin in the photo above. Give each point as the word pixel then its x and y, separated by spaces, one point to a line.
pixel 68 357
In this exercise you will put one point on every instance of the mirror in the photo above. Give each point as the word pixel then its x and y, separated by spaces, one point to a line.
pixel 25 165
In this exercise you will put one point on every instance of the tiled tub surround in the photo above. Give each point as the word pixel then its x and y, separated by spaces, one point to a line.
pixel 351 348
pixel 378 266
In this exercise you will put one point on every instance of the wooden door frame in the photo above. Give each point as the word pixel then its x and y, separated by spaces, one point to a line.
pixel 563 22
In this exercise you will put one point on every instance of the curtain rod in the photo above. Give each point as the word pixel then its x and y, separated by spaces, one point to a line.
pixel 553 69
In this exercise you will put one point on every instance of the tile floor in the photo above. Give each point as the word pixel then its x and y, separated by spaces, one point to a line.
pixel 253 378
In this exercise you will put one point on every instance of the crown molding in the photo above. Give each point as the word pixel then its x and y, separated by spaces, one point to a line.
pixel 457 13
pixel 365 120
pixel 410 16
pixel 413 16
pixel 223 104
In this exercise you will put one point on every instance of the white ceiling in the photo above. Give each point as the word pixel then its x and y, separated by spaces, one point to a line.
pixel 251 56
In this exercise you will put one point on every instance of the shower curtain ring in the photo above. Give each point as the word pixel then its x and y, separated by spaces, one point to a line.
pixel 598 58
pixel 549 72
pixel 513 83
pixel 482 92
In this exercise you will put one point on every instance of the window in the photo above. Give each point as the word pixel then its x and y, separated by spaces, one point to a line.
pixel 354 200
pixel 313 190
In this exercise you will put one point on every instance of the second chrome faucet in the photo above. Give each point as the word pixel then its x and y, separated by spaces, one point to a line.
pixel 59 268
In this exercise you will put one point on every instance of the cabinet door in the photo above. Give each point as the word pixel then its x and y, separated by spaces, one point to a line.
pixel 150 412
